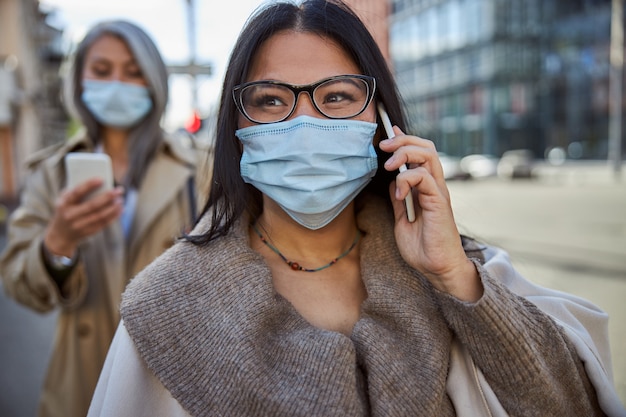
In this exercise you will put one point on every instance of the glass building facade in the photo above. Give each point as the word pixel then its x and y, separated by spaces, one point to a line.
pixel 487 76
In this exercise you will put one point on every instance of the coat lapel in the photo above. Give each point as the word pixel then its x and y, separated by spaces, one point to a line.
pixel 165 178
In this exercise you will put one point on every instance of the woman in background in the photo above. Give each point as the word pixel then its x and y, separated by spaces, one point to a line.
pixel 75 254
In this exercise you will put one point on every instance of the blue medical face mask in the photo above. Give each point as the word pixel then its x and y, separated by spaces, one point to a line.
pixel 313 168
pixel 116 104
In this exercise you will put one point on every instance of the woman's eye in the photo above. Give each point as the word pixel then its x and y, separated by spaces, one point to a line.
pixel 342 97
pixel 100 71
pixel 268 101
pixel 274 101
pixel 334 98
pixel 134 72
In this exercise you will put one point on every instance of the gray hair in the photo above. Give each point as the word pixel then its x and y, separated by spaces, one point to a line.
pixel 145 138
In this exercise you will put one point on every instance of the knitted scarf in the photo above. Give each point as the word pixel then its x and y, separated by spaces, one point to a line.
pixel 209 324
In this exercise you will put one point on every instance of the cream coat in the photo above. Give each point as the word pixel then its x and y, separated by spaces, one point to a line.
pixel 89 303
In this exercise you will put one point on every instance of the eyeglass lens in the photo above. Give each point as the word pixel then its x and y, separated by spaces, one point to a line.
pixel 337 98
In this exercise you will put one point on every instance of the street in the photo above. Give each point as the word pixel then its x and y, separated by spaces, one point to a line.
pixel 568 234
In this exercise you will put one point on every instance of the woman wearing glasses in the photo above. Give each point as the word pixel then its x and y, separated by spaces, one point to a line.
pixel 305 290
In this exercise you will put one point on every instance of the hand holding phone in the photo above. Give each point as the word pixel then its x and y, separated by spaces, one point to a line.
pixel 408 200
pixel 81 166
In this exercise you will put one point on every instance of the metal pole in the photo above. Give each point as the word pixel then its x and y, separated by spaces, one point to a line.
pixel 192 53
pixel 615 87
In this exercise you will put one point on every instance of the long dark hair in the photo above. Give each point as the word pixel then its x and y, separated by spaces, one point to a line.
pixel 229 196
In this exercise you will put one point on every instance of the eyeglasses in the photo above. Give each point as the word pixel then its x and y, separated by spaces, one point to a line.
pixel 338 97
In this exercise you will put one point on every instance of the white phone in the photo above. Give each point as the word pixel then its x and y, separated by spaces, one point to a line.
pixel 81 166
pixel 408 200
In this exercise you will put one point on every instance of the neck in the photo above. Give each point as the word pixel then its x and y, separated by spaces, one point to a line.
pixel 115 144
pixel 115 141
pixel 298 243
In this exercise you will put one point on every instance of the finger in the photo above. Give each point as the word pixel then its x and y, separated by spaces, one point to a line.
pixel 399 208
pixel 410 150
pixel 98 201
pixel 82 190
pixel 432 168
pixel 420 182
pixel 95 221
pixel 413 156
pixel 92 205
pixel 106 197
pixel 402 139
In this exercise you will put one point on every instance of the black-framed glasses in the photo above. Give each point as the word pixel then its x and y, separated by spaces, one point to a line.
pixel 338 97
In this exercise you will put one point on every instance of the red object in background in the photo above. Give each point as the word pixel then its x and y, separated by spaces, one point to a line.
pixel 194 123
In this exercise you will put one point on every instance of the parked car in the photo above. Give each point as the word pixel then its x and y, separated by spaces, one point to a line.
pixel 480 165
pixel 516 163
pixel 451 167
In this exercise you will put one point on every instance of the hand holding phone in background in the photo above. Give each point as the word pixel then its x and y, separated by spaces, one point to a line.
pixel 82 209
pixel 82 166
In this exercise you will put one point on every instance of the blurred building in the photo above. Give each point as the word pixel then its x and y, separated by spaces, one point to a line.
pixel 374 13
pixel 31 115
pixel 574 83
pixel 487 76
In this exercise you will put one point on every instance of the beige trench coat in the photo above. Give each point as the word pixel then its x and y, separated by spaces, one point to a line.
pixel 90 299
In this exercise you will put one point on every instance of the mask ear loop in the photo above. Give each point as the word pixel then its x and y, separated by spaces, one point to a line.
pixel 408 200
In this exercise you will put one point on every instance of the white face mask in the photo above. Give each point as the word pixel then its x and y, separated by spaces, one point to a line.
pixel 116 104
pixel 313 168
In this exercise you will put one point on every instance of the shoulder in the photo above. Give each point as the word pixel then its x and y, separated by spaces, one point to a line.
pixel 190 270
pixel 55 153
pixel 186 270
pixel 181 149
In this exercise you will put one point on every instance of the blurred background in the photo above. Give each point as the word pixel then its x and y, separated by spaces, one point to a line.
pixel 523 99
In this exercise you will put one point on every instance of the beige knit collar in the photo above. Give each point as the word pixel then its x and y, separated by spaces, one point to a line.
pixel 223 342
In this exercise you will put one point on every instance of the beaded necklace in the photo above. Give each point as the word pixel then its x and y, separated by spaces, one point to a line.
pixel 296 266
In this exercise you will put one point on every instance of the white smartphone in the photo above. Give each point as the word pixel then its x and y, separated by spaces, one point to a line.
pixel 81 166
pixel 408 200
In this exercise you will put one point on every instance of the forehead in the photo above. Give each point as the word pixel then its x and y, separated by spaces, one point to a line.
pixel 300 58
pixel 110 47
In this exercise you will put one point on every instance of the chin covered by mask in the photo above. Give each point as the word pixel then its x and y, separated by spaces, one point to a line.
pixel 313 168
pixel 115 103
